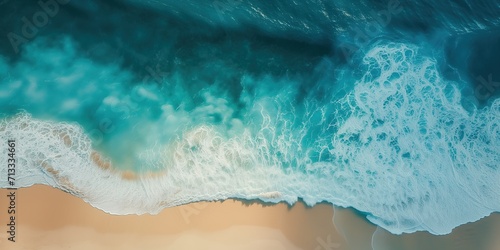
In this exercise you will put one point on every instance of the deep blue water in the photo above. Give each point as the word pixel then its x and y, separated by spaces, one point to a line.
pixel 389 107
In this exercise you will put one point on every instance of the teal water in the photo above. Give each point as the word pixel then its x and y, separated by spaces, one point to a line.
pixel 388 108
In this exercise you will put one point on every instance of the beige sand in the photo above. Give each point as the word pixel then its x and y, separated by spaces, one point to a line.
pixel 51 219
pixel 360 235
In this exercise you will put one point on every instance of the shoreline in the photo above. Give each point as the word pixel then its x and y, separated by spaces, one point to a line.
pixel 58 220
pixel 45 212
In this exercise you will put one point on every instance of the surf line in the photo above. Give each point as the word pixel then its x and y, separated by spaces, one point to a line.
pixel 11 197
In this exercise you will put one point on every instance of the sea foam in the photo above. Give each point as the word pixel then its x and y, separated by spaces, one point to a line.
pixel 418 157
pixel 397 146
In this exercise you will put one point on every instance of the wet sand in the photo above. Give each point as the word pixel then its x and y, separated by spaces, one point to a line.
pixel 48 218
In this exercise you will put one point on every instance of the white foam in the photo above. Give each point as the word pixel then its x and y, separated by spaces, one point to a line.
pixel 200 166
pixel 415 159
pixel 398 146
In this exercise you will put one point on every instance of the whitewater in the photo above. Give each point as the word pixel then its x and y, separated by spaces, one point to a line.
pixel 394 130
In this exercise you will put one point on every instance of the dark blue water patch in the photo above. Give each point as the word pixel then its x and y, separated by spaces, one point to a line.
pixel 474 58
pixel 150 36
pixel 454 16
pixel 155 46
pixel 484 66
pixel 312 21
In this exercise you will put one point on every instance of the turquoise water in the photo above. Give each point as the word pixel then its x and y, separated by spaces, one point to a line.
pixel 389 108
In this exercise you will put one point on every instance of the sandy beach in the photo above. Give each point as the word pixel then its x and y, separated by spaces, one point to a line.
pixel 47 218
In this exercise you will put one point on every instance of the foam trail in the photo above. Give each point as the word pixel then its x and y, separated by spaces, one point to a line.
pixel 397 145
pixel 60 155
pixel 424 161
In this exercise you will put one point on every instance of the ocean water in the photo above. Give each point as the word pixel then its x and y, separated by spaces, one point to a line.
pixel 388 107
